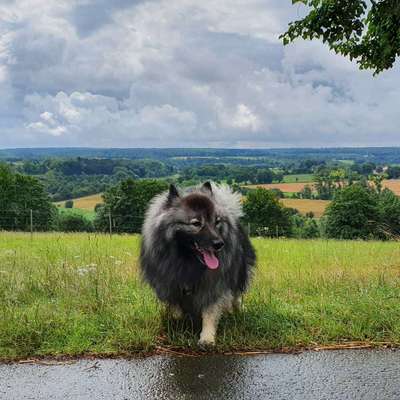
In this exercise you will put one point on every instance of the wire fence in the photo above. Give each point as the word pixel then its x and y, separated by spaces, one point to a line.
pixel 31 221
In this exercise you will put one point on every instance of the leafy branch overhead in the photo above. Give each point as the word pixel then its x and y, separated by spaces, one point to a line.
pixel 368 32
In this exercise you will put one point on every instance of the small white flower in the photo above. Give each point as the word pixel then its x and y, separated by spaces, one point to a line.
pixel 82 271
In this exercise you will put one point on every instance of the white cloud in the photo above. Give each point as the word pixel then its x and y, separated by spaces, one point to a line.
pixel 180 73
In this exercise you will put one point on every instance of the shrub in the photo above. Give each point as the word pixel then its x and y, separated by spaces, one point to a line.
pixel 74 223
pixel 305 227
pixel 266 214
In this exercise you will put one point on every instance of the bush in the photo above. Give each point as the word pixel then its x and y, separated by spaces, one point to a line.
pixel 74 223
pixel 69 204
pixel 305 227
pixel 266 215
pixel 353 214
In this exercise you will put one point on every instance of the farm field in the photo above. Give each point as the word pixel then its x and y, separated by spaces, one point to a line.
pixel 304 205
pixel 284 187
pixel 84 203
pixel 74 294
pixel 392 184
pixel 298 178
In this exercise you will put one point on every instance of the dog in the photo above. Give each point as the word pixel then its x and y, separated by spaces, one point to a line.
pixel 195 253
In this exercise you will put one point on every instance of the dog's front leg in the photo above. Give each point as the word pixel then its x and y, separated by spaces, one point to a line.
pixel 211 318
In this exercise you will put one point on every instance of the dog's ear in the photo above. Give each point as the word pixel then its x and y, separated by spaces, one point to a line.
pixel 172 195
pixel 207 187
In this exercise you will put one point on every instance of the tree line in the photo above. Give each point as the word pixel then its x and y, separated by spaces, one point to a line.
pixel 68 178
pixel 357 211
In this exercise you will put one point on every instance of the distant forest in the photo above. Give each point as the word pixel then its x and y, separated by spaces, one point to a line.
pixel 68 173
pixel 388 155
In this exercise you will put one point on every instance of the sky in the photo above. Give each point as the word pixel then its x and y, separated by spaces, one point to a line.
pixel 181 73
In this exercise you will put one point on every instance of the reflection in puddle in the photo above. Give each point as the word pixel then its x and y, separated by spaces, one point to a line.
pixel 203 377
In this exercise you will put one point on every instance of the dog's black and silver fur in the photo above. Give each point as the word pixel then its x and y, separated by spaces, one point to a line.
pixel 195 254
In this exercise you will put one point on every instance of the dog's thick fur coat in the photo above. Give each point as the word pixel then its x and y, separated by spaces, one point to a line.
pixel 195 254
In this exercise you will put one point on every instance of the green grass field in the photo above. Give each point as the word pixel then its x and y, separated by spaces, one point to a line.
pixel 74 294
pixel 303 178
pixel 78 211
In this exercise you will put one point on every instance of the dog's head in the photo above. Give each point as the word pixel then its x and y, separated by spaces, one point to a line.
pixel 195 224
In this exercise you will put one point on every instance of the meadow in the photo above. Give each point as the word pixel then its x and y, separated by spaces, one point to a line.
pixel 75 294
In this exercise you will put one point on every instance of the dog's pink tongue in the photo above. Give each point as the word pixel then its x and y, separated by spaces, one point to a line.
pixel 210 259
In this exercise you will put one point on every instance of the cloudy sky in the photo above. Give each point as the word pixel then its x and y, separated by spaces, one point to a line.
pixel 164 73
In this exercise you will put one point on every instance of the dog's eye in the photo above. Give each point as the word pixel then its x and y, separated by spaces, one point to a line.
pixel 218 221
pixel 195 222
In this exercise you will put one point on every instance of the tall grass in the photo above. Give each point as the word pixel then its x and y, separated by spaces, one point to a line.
pixel 78 293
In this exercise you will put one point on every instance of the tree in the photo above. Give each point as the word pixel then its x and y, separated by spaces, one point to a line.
pixel 377 180
pixel 74 223
pixel 264 175
pixel 23 197
pixel 353 213
pixel 367 33
pixel 306 192
pixel 324 183
pixel 69 204
pixel 126 204
pixel 389 215
pixel 266 214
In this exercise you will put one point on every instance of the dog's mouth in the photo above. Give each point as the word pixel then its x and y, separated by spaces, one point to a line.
pixel 207 257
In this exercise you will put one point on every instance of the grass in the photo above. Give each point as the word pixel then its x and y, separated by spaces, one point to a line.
pixel 73 294
pixel 78 211
pixel 298 178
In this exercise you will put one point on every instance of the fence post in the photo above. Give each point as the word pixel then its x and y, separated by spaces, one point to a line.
pixel 248 229
pixel 110 223
pixel 31 222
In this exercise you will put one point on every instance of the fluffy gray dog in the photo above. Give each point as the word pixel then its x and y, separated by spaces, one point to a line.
pixel 195 254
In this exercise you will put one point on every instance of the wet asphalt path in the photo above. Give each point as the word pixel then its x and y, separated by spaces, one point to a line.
pixel 313 375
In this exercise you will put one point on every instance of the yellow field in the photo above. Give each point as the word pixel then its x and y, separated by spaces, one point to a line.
pixel 392 184
pixel 84 203
pixel 285 187
pixel 304 205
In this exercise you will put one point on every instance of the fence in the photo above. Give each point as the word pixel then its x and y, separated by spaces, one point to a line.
pixel 31 220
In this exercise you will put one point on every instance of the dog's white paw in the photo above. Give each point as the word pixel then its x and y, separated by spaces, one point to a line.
pixel 206 342
pixel 237 304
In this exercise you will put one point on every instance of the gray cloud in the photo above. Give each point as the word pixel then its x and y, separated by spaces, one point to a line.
pixel 180 73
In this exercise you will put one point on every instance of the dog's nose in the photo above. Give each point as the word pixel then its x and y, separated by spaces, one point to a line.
pixel 218 244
